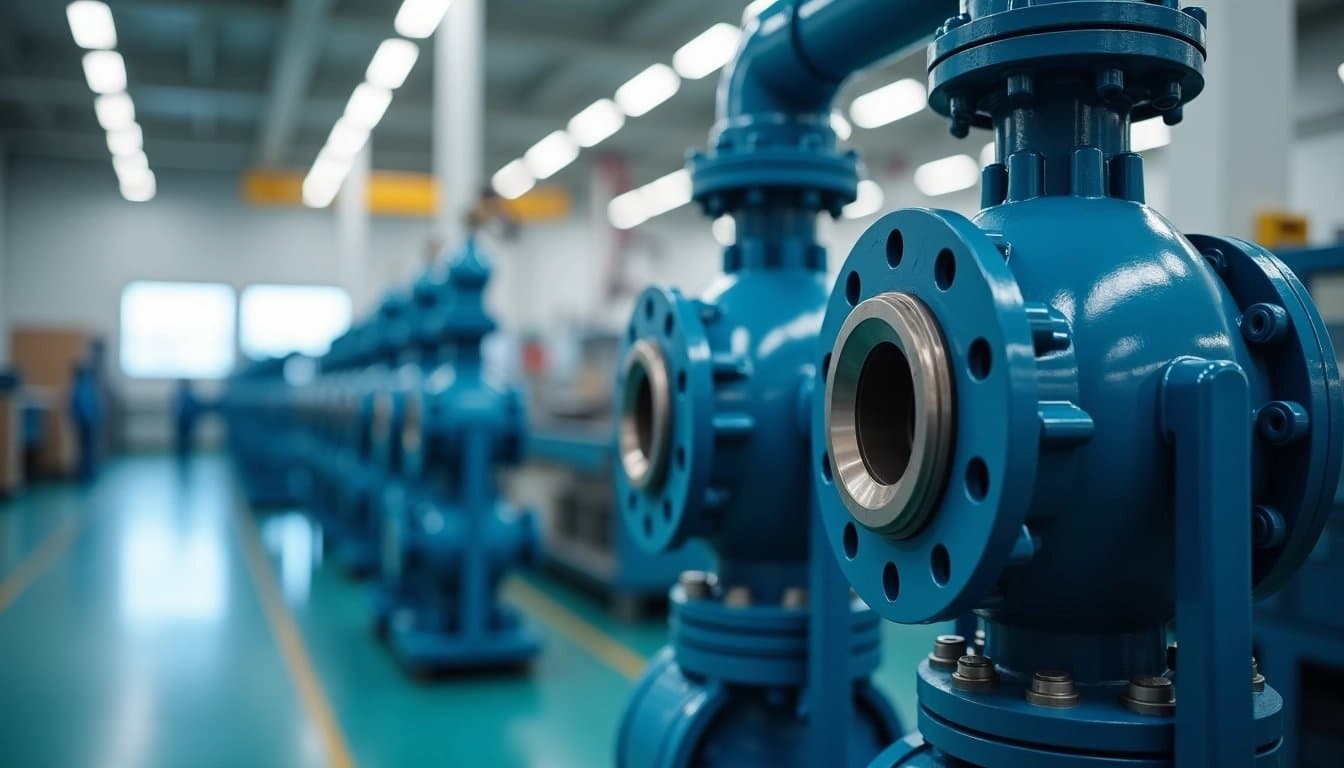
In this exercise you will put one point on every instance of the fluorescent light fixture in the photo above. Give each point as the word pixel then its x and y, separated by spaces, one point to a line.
pixel 115 111
pixel 667 193
pixel 987 155
pixel 391 63
pixel 105 71
pixel 323 181
pixel 627 211
pixel 419 18
pixel 648 89
pixel 1149 134
pixel 91 25
pixel 367 105
pixel 513 180
pixel 725 230
pixel 346 138
pixel 888 104
pixel 126 141
pixel 843 130
pixel 139 188
pixel 659 196
pixel 868 201
pixel 549 155
pixel 596 123
pixel 950 174
pixel 707 51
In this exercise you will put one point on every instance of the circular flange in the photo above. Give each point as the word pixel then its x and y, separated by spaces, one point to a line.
pixel 1153 44
pixel 1301 368
pixel 958 274
pixel 663 511
pixel 989 728
pixel 889 414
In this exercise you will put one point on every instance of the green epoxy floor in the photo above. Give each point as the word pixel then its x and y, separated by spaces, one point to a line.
pixel 144 643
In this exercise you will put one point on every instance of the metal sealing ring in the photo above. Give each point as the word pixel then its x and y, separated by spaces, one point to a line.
pixel 890 421
pixel 646 415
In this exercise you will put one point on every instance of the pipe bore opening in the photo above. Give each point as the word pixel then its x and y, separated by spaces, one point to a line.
pixel 889 414
pixel 884 413
pixel 645 415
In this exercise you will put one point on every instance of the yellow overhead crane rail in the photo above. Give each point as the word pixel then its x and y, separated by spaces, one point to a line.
pixel 393 193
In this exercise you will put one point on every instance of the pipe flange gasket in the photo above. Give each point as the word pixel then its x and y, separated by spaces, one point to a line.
pixel 890 366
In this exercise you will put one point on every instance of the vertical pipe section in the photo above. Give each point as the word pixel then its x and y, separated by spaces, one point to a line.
pixel 352 232
pixel 1206 403
pixel 459 115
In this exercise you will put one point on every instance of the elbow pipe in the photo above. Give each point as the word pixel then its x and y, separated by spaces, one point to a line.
pixel 774 100
pixel 796 55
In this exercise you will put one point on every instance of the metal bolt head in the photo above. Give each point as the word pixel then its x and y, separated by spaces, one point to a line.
pixel 1149 695
pixel 698 585
pixel 975 674
pixel 946 650
pixel 737 597
pixel 794 597
pixel 1052 688
pixel 1257 679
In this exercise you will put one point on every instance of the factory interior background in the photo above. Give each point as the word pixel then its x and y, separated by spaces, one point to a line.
pixel 266 264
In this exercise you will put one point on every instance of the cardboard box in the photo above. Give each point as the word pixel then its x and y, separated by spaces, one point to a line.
pixel 46 359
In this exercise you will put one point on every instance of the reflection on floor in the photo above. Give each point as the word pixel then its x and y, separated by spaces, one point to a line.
pixel 135 631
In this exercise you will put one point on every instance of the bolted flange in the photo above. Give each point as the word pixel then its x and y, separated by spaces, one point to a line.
pixel 1052 688
pixel 975 674
pixel 946 650
pixel 1148 695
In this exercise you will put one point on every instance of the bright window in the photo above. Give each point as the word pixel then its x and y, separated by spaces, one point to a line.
pixel 177 330
pixel 275 320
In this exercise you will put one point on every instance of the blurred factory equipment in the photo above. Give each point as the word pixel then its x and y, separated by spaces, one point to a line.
pixel 446 546
pixel 265 423
pixel 1299 632
pixel 1072 418
pixel 770 656
pixel 567 477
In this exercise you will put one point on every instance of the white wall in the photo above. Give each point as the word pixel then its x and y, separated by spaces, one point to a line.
pixel 73 243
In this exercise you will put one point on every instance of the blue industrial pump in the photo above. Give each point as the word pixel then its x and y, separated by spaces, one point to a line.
pixel 1299 632
pixel 448 538
pixel 266 437
pixel 1073 419
pixel 770 657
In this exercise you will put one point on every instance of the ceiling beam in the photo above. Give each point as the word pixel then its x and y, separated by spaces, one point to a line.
pixel 292 73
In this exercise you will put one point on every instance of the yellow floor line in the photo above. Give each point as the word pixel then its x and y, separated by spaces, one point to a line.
pixel 287 635
pixel 593 640
pixel 48 552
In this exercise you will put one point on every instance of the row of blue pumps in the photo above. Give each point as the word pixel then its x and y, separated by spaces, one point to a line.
pixel 392 443
pixel 1089 438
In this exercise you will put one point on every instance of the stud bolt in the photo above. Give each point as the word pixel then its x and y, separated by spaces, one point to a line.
pixel 946 650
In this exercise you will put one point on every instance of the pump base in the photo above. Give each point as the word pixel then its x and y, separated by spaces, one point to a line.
pixel 677 719
pixel 423 651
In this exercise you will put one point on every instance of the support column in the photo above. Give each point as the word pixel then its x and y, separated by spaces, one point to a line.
pixel 459 114
pixel 1230 157
pixel 4 261
pixel 352 233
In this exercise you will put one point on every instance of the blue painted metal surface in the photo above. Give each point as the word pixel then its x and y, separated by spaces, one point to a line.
pixel 1299 633
pixel 447 538
pixel 1066 415
pixel 591 542
pixel 770 658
